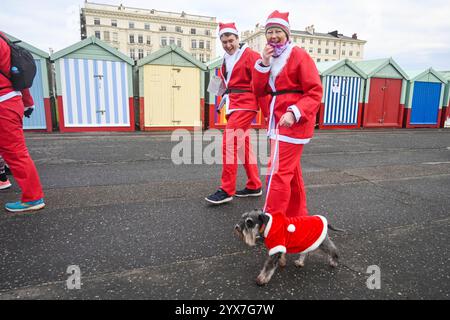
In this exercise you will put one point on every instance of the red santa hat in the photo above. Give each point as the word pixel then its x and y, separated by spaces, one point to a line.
pixel 227 28
pixel 279 20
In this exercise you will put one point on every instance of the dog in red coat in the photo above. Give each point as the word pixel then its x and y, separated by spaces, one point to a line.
pixel 283 235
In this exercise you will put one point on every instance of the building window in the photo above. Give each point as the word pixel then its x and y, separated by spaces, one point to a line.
pixel 357 53
pixel 147 26
pixel 319 42
pixel 97 34
pixel 202 57
pixel 140 38
pixel 132 54
pixel 208 57
pixel 319 50
pixel 106 35
pixel 326 60
pixel 113 23
pixel 171 40
pixel 334 52
pixel 343 44
pixel 179 42
pixel 311 41
pixel 343 52
pixel 97 21
pixel 207 32
pixel 194 44
pixel 318 60
pixel 201 44
pixel 178 29
pixel 163 42
pixel 131 38
pixel 131 25
pixel 140 53
pixel 311 50
pixel 335 43
pixel 149 40
pixel 115 36
pixel 327 51
pixel 208 44
pixel 350 53
pixel 327 43
pixel 163 28
pixel 193 31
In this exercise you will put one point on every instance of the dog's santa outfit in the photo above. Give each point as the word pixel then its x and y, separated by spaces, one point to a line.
pixel 241 106
pixel 12 140
pixel 294 235
pixel 294 83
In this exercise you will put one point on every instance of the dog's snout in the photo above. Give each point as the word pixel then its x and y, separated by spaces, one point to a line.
pixel 237 228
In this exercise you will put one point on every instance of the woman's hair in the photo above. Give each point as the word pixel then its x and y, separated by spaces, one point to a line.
pixel 277 27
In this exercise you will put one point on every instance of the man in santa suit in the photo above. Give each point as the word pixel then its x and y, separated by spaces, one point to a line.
pixel 290 76
pixel 13 106
pixel 241 106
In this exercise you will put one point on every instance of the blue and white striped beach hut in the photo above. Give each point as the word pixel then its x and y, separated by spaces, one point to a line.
pixel 41 119
pixel 343 84
pixel 94 88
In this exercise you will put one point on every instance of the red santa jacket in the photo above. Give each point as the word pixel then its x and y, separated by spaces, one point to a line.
pixel 293 70
pixel 240 77
pixel 294 235
pixel 6 89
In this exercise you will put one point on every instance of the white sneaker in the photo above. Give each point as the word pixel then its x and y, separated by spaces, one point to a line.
pixel 5 184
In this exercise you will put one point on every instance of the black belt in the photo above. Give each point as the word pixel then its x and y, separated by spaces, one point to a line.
pixel 228 91
pixel 278 93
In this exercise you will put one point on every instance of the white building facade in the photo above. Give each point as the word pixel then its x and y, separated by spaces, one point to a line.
pixel 139 32
pixel 321 47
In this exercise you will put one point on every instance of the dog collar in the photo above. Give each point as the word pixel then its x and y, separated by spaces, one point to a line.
pixel 261 230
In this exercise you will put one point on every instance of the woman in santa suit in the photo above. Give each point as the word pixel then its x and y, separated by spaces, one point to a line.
pixel 290 76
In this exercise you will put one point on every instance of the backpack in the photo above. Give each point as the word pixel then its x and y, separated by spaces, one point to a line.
pixel 24 62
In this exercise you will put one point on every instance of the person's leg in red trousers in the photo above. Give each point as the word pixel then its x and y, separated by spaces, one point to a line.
pixel 13 149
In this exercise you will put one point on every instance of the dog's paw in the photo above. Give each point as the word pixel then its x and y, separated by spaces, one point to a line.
pixel 299 264
pixel 333 263
pixel 261 280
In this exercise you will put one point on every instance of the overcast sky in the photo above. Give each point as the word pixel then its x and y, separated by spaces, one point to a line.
pixel 415 33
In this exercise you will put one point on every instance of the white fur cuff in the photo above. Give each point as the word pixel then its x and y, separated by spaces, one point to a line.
pixel 296 112
pixel 277 249
pixel 261 68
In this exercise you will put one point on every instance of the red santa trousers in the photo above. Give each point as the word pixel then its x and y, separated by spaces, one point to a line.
pixel 287 192
pixel 236 142
pixel 15 152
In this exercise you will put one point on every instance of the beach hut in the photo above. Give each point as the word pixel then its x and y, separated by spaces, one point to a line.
pixel 171 90
pixel 94 87
pixel 217 119
pixel 343 84
pixel 384 98
pixel 41 119
pixel 424 99
pixel 445 118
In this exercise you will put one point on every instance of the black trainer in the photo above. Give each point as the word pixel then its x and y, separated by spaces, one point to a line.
pixel 219 197
pixel 248 193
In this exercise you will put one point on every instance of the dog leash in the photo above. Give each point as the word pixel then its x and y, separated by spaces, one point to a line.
pixel 273 162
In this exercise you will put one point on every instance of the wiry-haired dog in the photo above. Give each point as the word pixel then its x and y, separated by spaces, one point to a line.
pixel 286 235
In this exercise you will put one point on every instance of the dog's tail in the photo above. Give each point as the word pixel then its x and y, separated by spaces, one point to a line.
pixel 335 229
